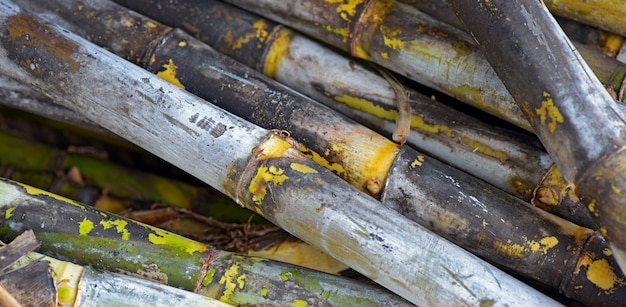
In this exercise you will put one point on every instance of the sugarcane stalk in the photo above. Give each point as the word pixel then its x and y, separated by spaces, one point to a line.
pixel 89 236
pixel 500 158
pixel 73 285
pixel 437 55
pixel 570 112
pixel 292 191
pixel 520 251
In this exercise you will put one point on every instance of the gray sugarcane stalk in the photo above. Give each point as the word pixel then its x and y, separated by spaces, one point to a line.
pixel 423 177
pixel 575 118
pixel 216 147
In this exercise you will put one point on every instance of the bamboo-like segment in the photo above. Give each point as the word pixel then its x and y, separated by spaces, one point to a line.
pixel 561 244
pixel 75 285
pixel 567 106
pixel 91 237
pixel 276 180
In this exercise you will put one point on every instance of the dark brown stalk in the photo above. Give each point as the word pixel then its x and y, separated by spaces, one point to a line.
pixel 575 118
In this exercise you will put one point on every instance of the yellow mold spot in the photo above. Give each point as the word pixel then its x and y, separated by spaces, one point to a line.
pixel 346 7
pixel 151 24
pixel 182 44
pixel 510 248
pixel 390 38
pixel 9 213
pixel 264 175
pixel 128 22
pixel 485 149
pixel 299 303
pixel 231 281
pixel 378 111
pixel 85 227
pixel 169 74
pixel 162 237
pixel 302 168
pixel 120 227
pixel 543 245
pixel 343 32
pixel 601 273
pixel 260 33
pixel 549 110
pixel 277 52
pixel 418 162
pixel 384 55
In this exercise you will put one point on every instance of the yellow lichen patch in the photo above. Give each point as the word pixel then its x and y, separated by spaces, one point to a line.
pixel 208 278
pixel 9 213
pixel 231 281
pixel 346 7
pixel 120 227
pixel 35 191
pixel 419 161
pixel 151 24
pixel 128 22
pixel 384 55
pixel 182 43
pixel 510 248
pixel 484 149
pixel 85 227
pixel 302 168
pixel 264 292
pixel 161 237
pixel 169 74
pixel 549 111
pixel 336 168
pixel 543 245
pixel 277 52
pixel 265 175
pixel 390 38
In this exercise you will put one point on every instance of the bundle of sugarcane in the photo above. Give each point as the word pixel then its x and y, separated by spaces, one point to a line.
pixel 257 168
pixel 403 39
pixel 105 241
pixel 523 252
pixel 32 279
pixel 554 91
pixel 494 155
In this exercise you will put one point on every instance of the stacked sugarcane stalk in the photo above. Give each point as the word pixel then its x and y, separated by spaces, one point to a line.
pixel 541 247
pixel 260 169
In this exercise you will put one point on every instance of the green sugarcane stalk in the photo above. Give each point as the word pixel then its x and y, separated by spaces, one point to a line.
pixel 500 158
pixel 73 285
pixel 573 116
pixel 383 31
pixel 89 236
pixel 276 180
pixel 532 252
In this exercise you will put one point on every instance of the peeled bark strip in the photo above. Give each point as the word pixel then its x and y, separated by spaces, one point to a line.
pixel 567 106
pixel 291 190
pixel 489 206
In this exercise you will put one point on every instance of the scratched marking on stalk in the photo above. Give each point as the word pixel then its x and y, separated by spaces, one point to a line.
pixel 208 124
pixel 233 76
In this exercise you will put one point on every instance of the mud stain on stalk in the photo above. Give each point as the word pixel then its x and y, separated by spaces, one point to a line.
pixel 25 31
